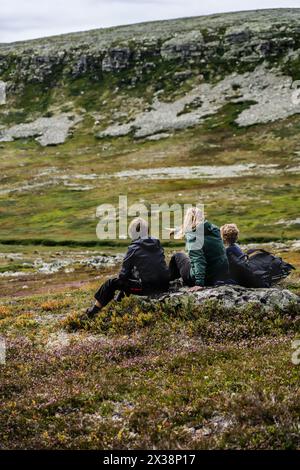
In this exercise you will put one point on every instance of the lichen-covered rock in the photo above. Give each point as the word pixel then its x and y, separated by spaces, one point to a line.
pixel 80 67
pixel 244 36
pixel 236 296
pixel 116 59
pixel 48 131
pixel 238 35
pixel 183 46
pixel 271 93
pixel 200 64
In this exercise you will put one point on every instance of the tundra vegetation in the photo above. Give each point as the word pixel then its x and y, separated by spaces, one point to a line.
pixel 86 117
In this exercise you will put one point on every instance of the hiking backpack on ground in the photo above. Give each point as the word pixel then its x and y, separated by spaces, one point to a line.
pixel 258 268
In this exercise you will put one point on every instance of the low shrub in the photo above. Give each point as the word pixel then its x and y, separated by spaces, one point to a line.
pixel 210 320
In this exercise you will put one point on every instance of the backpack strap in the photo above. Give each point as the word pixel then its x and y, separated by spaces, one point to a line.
pixel 257 250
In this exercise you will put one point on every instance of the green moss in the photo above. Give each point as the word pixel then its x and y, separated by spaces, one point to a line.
pixel 225 118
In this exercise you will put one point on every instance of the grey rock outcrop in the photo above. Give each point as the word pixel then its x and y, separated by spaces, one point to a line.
pixel 236 296
pixel 208 41
pixel 116 59
pixel 183 46
pixel 47 131
pixel 198 64
pixel 271 93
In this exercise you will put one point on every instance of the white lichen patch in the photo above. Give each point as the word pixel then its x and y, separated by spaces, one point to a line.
pixel 61 262
pixel 160 135
pixel 58 340
pixel 288 222
pixel 54 177
pixel 47 131
pixel 199 172
pixel 14 274
pixel 28 187
pixel 61 339
pixel 271 92
pixel 78 187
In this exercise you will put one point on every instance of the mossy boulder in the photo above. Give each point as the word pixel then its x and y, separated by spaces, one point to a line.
pixel 237 296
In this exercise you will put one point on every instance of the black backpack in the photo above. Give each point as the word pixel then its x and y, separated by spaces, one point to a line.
pixel 258 268
pixel 273 267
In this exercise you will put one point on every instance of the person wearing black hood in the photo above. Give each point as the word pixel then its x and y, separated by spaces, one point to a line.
pixel 144 270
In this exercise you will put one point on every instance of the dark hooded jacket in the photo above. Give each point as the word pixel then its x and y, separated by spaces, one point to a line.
pixel 145 260
pixel 242 272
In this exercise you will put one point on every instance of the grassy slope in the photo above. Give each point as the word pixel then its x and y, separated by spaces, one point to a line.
pixel 142 378
pixel 59 213
pixel 200 378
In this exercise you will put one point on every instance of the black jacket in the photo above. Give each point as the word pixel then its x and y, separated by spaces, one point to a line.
pixel 145 260
pixel 241 271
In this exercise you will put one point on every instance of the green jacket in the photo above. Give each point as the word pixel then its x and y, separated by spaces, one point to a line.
pixel 208 263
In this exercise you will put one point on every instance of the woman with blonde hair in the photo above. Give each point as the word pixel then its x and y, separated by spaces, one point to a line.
pixel 144 269
pixel 206 263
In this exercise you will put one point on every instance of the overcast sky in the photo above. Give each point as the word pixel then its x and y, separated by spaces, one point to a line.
pixel 27 19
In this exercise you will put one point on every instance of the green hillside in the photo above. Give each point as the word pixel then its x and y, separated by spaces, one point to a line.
pixel 112 88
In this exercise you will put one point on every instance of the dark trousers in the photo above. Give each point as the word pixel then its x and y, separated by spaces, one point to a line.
pixel 180 266
pixel 126 287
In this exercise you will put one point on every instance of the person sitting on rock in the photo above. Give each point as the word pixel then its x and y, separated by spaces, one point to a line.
pixel 230 235
pixel 239 270
pixel 206 263
pixel 144 270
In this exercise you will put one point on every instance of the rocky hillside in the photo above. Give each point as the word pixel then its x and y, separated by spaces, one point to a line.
pixel 190 110
pixel 185 111
pixel 151 78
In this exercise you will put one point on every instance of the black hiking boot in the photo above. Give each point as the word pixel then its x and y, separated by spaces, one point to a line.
pixel 91 312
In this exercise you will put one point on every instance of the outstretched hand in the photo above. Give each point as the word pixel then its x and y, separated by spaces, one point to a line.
pixel 195 288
